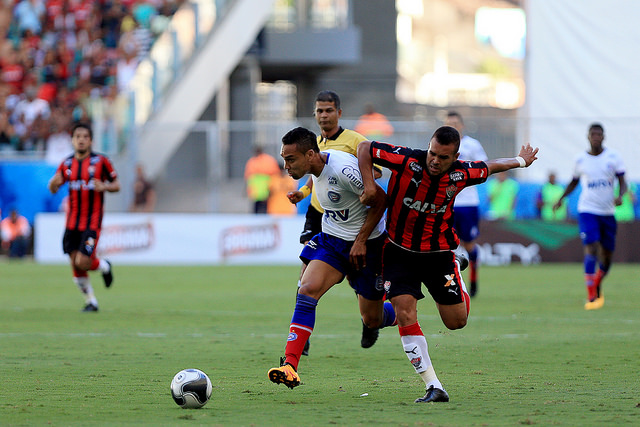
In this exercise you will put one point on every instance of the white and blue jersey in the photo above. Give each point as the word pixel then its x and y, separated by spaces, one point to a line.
pixel 598 175
pixel 470 150
pixel 338 189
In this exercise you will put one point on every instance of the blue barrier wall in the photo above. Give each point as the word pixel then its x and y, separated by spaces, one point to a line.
pixel 23 185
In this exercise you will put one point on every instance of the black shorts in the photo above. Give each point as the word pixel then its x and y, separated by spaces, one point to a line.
pixel 312 224
pixel 84 241
pixel 404 272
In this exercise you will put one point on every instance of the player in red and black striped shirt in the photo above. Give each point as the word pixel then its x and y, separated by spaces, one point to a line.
pixel 89 175
pixel 421 237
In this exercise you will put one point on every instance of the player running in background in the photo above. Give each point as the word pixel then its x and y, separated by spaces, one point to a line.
pixel 327 112
pixel 596 170
pixel 349 244
pixel 89 175
pixel 466 206
pixel 421 236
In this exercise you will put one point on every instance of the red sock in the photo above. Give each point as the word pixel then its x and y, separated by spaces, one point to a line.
pixel 473 272
pixel 589 280
pixel 598 279
pixel 414 329
pixel 95 263
pixel 298 336
pixel 79 273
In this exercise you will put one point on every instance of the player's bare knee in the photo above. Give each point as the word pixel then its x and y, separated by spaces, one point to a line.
pixel 82 263
pixel 457 323
pixel 372 321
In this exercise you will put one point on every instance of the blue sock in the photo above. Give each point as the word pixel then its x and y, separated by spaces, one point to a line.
pixel 604 268
pixel 305 312
pixel 389 315
pixel 590 264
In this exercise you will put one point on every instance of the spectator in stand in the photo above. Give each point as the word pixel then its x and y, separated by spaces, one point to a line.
pixel 144 196
pixel 143 12
pixel 8 138
pixel 373 125
pixel 503 192
pixel 30 14
pixel 549 194
pixel 113 13
pixel 59 145
pixel 126 67
pixel 258 172
pixel 15 231
pixel 13 71
pixel 5 20
pixel 30 118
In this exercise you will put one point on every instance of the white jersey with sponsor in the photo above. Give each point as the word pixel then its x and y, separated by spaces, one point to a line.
pixel 470 150
pixel 338 188
pixel 598 175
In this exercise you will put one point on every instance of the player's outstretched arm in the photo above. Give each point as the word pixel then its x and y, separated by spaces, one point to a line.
pixel 623 189
pixel 572 186
pixel 55 182
pixel 525 157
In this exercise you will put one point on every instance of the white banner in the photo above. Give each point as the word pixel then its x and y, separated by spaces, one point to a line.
pixel 580 69
pixel 181 239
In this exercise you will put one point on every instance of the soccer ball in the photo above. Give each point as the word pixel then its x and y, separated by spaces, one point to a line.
pixel 191 388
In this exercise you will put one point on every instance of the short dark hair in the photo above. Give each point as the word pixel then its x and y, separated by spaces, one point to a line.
pixel 328 96
pixel 596 126
pixel 303 138
pixel 82 125
pixel 453 113
pixel 447 135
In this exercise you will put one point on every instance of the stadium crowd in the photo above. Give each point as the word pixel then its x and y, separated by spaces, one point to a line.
pixel 61 60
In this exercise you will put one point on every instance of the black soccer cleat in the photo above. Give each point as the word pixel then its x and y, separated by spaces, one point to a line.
pixel 108 276
pixel 369 336
pixel 90 308
pixel 463 261
pixel 433 395
pixel 305 350
pixel 473 290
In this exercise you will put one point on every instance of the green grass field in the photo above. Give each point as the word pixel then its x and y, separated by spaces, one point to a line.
pixel 530 354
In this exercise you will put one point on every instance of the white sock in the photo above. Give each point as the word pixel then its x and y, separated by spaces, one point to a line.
pixel 104 266
pixel 417 350
pixel 85 287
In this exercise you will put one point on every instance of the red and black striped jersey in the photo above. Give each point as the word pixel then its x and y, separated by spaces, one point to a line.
pixel 86 206
pixel 420 206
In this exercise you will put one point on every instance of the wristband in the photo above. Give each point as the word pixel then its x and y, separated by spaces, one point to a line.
pixel 305 191
pixel 521 161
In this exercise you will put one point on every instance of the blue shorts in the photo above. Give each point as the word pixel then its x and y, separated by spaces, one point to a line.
pixel 465 222
pixel 598 228
pixel 335 252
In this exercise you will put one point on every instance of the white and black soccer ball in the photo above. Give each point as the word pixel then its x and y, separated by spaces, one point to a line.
pixel 191 388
